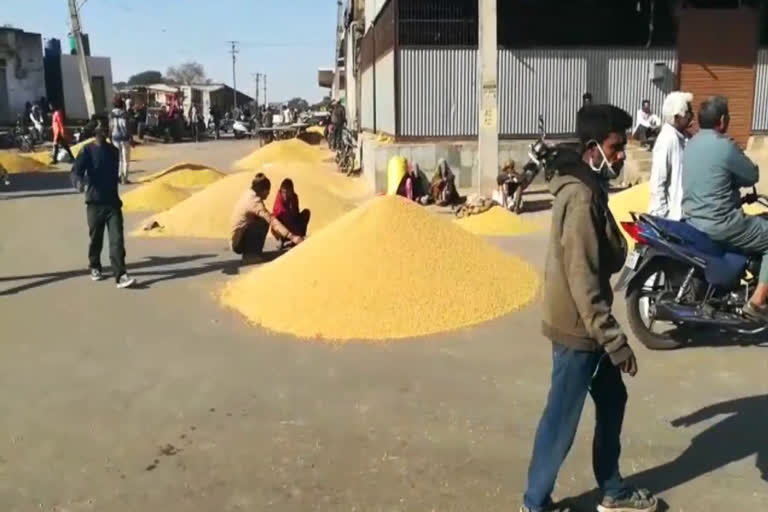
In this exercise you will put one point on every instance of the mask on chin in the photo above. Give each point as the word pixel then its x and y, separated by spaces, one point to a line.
pixel 605 170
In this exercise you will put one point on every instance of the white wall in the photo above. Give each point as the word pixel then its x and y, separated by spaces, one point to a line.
pixel 385 94
pixel 351 79
pixel 74 97
pixel 372 8
pixel 25 77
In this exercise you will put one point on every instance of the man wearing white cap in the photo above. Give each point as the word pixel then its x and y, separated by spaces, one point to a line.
pixel 667 169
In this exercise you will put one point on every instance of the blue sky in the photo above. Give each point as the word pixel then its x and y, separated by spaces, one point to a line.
pixel 287 39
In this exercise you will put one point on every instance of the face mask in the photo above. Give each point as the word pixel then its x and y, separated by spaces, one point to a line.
pixel 605 170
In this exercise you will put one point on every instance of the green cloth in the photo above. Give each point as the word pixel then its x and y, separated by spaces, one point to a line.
pixel 714 169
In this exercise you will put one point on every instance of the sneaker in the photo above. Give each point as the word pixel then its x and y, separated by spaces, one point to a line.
pixel 125 281
pixel 755 312
pixel 96 274
pixel 640 500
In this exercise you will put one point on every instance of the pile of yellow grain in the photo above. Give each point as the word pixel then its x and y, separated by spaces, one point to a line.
pixel 387 270
pixel 185 175
pixel 15 163
pixel 208 213
pixel 281 151
pixel 498 222
pixel 316 129
pixel 76 148
pixel 153 197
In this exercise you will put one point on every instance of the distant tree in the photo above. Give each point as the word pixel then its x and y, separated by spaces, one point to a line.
pixel 187 73
pixel 300 104
pixel 146 78
pixel 322 105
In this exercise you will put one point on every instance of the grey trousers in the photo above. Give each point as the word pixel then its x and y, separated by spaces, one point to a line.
pixel 751 237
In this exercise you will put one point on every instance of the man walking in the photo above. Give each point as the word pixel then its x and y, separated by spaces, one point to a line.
pixel 589 349
pixel 121 136
pixel 97 166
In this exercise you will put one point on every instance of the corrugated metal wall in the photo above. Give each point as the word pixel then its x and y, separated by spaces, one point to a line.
pixel 366 105
pixel 439 94
pixel 551 81
pixel 760 111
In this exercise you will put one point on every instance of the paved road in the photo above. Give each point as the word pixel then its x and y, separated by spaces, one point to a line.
pixel 156 399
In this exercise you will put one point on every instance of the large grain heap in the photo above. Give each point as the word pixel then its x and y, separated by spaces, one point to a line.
pixel 389 269
pixel 285 150
pixel 185 175
pixel 208 213
pixel 153 197
pixel 498 222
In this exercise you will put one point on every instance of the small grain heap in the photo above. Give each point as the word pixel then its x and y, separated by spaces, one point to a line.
pixel 15 163
pixel 185 175
pixel 498 222
pixel 208 213
pixel 284 150
pixel 386 270
pixel 153 197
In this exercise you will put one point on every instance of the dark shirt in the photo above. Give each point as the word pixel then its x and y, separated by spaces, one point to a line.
pixel 97 166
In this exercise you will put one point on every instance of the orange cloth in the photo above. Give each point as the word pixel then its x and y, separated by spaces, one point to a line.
pixel 58 126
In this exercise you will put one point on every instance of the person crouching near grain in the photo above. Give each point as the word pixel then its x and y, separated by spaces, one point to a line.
pixel 251 221
pixel 286 211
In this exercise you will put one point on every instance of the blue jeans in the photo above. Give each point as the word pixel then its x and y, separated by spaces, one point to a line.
pixel 574 374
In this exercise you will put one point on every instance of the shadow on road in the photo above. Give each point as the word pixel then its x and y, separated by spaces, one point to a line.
pixel 39 280
pixel 39 181
pixel 740 434
pixel 31 195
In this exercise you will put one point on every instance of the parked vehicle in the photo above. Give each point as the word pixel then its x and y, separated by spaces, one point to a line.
pixel 23 138
pixel 345 153
pixel 678 278
pixel 243 127
pixel 540 156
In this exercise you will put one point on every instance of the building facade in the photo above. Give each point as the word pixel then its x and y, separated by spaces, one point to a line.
pixel 22 77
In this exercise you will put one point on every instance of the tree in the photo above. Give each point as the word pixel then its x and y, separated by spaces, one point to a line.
pixel 323 104
pixel 146 78
pixel 187 73
pixel 300 104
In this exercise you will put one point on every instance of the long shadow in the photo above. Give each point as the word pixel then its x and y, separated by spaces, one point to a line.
pixel 537 205
pixel 39 194
pixel 741 434
pixel 39 280
pixel 39 181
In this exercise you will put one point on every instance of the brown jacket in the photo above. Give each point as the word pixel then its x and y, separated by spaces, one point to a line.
pixel 251 208
pixel 585 249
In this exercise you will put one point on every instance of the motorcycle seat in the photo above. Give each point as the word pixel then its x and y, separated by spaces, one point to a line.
pixel 724 265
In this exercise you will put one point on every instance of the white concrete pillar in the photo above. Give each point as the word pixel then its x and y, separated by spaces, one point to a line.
pixel 488 130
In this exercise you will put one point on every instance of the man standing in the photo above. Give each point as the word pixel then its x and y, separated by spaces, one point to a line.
pixel 667 167
pixel 60 136
pixel 121 136
pixel 589 349
pixel 647 126
pixel 215 114
pixel 714 169
pixel 97 166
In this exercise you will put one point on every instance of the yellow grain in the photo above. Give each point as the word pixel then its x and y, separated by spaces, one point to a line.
pixel 498 222
pixel 185 175
pixel 153 197
pixel 16 163
pixel 387 270
pixel 208 213
pixel 285 150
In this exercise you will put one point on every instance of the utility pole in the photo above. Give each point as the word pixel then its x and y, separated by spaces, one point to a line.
pixel 488 131
pixel 265 89
pixel 257 76
pixel 85 76
pixel 234 51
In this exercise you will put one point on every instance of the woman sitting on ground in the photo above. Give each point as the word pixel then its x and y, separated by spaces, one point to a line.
pixel 251 220
pixel 286 210
pixel 443 186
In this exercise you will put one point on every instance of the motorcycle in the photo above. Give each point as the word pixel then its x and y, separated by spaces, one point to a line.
pixel 540 157
pixel 679 278
pixel 345 153
pixel 23 138
pixel 243 127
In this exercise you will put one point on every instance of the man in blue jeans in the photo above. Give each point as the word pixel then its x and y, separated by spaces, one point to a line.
pixel 589 349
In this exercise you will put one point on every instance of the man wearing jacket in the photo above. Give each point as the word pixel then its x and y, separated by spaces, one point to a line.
pixel 589 349
pixel 96 171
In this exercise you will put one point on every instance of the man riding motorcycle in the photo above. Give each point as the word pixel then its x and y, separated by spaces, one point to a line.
pixel 714 169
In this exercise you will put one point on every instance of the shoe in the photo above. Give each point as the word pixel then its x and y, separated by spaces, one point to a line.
pixel 755 312
pixel 96 274
pixel 125 281
pixel 641 500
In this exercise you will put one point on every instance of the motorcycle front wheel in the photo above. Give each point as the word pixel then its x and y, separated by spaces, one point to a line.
pixel 657 277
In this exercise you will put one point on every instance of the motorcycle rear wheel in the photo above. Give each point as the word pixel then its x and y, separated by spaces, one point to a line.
pixel 635 294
